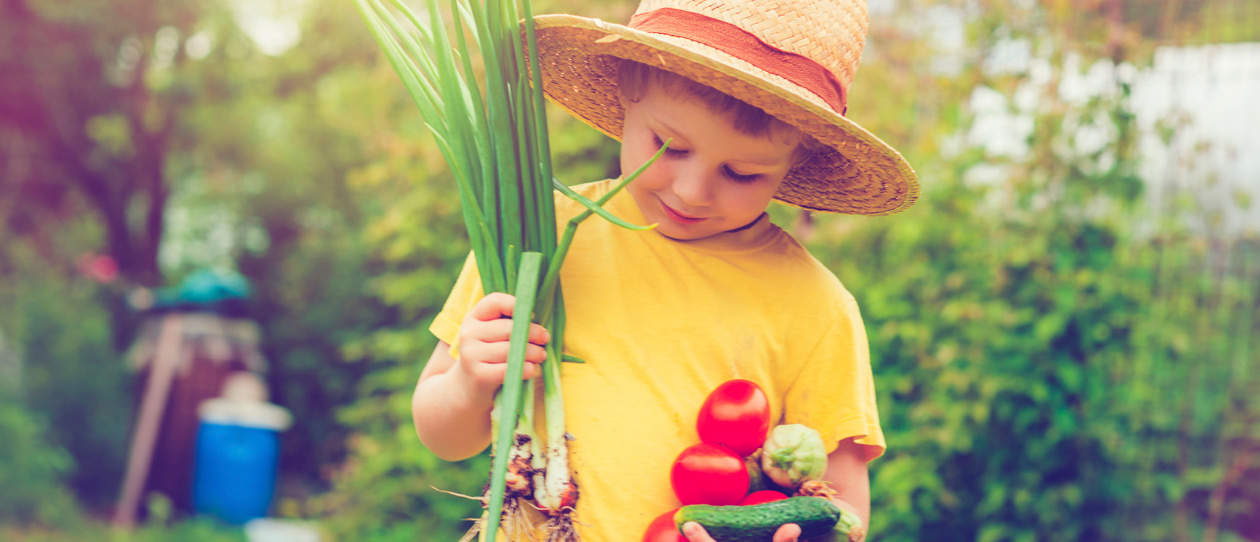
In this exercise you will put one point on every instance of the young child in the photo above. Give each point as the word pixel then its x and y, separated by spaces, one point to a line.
pixel 752 94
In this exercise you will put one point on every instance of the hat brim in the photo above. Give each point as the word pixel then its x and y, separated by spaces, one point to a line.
pixel 855 172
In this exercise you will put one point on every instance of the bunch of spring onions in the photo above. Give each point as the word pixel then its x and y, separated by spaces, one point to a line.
pixel 492 131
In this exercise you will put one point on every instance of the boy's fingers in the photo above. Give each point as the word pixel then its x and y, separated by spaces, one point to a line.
pixel 501 331
pixel 529 371
pixel 490 331
pixel 492 307
pixel 695 533
pixel 495 353
pixel 535 353
pixel 788 532
pixel 539 335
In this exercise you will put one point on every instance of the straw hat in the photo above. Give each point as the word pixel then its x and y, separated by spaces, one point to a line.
pixel 795 59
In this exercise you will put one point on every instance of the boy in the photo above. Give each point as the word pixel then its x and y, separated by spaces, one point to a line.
pixel 752 95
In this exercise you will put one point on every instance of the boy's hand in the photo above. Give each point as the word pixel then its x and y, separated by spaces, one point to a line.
pixel 483 344
pixel 789 532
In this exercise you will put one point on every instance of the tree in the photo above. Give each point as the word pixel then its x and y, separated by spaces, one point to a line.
pixel 90 118
pixel 158 133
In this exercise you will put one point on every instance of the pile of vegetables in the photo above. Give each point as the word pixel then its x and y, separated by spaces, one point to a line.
pixel 737 480
pixel 488 120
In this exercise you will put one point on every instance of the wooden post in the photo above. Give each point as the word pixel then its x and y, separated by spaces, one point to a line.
pixel 149 419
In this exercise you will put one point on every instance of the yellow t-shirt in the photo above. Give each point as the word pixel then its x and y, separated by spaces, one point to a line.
pixel 661 323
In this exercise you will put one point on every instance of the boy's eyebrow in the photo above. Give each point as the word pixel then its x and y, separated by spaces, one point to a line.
pixel 767 162
pixel 751 160
pixel 662 124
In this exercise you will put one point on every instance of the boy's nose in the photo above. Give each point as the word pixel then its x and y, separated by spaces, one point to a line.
pixel 694 188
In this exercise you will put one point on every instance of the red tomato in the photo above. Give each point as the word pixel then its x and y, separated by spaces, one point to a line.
pixel 662 529
pixel 762 497
pixel 709 474
pixel 736 415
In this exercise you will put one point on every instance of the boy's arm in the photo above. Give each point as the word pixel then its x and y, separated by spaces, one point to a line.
pixel 450 421
pixel 453 398
pixel 846 470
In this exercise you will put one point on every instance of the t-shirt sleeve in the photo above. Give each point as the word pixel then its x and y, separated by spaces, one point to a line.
pixel 835 391
pixel 466 293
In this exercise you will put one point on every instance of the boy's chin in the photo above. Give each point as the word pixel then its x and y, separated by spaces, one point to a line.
pixel 683 236
pixel 679 232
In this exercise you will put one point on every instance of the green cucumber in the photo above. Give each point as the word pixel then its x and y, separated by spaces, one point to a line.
pixel 757 523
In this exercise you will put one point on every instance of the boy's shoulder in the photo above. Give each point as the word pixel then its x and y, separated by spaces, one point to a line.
pixel 815 276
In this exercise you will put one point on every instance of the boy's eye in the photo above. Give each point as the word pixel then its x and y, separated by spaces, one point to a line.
pixel 738 177
pixel 671 151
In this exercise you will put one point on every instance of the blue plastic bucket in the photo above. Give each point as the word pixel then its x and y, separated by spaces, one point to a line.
pixel 237 454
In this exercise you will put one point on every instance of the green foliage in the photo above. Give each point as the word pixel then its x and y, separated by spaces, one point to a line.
pixel 71 376
pixel 1031 387
pixel 159 528
pixel 1047 370
pixel 264 190
pixel 385 488
pixel 389 489
pixel 33 470
pixel 988 351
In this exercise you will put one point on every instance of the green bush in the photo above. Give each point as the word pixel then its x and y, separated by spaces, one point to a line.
pixel 32 470
pixel 71 375
pixel 385 489
pixel 1047 373
pixel 389 488
pixel 158 528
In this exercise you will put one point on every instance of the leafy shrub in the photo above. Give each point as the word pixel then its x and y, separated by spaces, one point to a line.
pixel 31 470
pixel 71 374
pixel 158 528
pixel 1045 372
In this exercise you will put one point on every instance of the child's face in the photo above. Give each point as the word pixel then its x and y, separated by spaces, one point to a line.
pixel 712 179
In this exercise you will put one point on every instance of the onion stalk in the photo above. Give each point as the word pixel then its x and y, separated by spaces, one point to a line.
pixel 491 128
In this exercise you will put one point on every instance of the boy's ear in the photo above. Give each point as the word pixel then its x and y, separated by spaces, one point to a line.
pixel 632 81
pixel 805 149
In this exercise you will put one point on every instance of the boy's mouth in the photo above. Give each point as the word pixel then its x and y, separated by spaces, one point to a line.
pixel 681 218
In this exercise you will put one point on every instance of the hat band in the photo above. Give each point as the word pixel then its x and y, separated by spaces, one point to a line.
pixel 739 43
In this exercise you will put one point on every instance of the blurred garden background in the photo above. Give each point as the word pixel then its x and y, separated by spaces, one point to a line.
pixel 1065 330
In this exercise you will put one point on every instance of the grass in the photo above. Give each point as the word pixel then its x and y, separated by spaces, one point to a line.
pixel 75 526
pixel 88 530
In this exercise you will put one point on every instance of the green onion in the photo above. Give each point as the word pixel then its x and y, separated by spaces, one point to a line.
pixel 492 132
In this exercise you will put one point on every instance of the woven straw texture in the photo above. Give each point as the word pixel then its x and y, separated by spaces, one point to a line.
pixel 855 174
